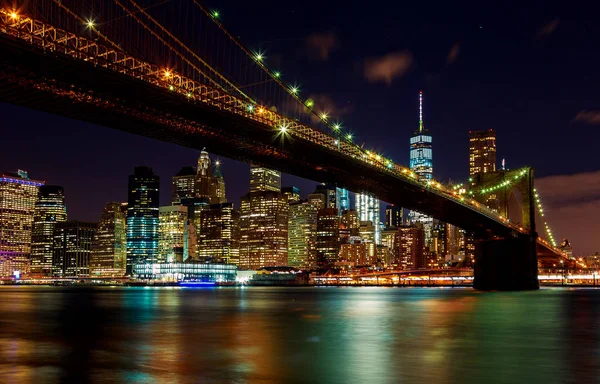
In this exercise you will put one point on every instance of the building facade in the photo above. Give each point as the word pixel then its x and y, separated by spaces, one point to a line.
pixel 72 249
pixel 172 239
pixel 482 151
pixel 109 249
pixel 219 239
pixel 18 194
pixel 302 226
pixel 264 179
pixel 367 208
pixel 49 209
pixel 184 185
pixel 409 245
pixel 327 237
pixel 393 216
pixel 142 217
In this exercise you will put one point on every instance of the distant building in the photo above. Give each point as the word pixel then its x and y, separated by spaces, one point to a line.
pixel 109 248
pixel 18 194
pixel 204 179
pixel 319 200
pixel 367 208
pixel 72 248
pixel 264 179
pixel 219 239
pixel 218 186
pixel 359 253
pixel 49 209
pixel 172 239
pixel 201 273
pixel 566 247
pixel 327 237
pixel 184 185
pixel 349 225
pixel 393 216
pixel 142 217
pixel 344 200
pixel 263 221
pixel 409 245
pixel 302 226
pixel 292 194
pixel 482 151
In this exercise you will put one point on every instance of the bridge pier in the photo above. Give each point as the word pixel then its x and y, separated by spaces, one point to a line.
pixel 508 264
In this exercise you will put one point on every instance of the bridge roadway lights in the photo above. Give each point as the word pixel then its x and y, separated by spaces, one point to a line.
pixel 508 264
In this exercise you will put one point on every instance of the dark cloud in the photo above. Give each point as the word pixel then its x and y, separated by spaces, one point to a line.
pixel 547 29
pixel 572 208
pixel 388 67
pixel 320 45
pixel 453 54
pixel 588 117
pixel 324 103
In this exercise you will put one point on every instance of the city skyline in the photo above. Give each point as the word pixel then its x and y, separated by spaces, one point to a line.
pixel 467 85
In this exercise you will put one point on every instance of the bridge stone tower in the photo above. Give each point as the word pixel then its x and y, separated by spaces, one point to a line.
pixel 509 262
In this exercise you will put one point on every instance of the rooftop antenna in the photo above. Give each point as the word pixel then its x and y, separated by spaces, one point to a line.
pixel 420 111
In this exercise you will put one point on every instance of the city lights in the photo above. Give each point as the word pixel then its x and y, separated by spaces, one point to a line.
pixel 90 23
pixel 14 15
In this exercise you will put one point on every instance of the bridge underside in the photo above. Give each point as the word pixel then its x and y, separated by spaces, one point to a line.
pixel 76 89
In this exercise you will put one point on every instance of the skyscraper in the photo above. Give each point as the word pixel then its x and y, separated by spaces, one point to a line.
pixel 409 247
pixel 142 217
pixel 204 179
pixel 302 225
pixel 331 193
pixel 18 194
pixel 218 186
pixel 343 199
pixel 264 179
pixel 172 220
pixel 421 162
pixel 109 249
pixel 72 248
pixel 367 208
pixel 393 216
pixel 327 237
pixel 263 221
pixel 291 193
pixel 184 185
pixel 49 209
pixel 219 237
pixel 482 151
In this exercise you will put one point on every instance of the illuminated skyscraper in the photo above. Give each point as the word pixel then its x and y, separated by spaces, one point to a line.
pixel 264 179
pixel 142 217
pixel 291 193
pixel 482 151
pixel 109 249
pixel 217 195
pixel 327 237
pixel 72 248
pixel 263 229
pixel 409 247
pixel 421 162
pixel 172 221
pixel 18 195
pixel 343 200
pixel 184 185
pixel 393 216
pixel 367 208
pixel 349 225
pixel 332 195
pixel 49 209
pixel 219 237
pixel 302 225
pixel 204 179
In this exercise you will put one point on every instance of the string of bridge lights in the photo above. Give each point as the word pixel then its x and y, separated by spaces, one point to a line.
pixel 538 203
pixel 502 184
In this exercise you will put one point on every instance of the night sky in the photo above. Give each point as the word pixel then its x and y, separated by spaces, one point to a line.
pixel 533 74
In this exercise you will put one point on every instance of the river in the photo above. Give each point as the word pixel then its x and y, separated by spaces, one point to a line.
pixel 298 335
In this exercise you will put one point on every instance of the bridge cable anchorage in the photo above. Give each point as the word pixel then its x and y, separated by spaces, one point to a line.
pixel 164 30
pixel 274 75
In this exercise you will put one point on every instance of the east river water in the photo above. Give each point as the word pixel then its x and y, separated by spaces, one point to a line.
pixel 298 335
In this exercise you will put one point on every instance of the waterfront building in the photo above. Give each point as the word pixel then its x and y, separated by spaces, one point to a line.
pixel 409 244
pixel 263 221
pixel 49 209
pixel 327 237
pixel 172 242
pixel 184 185
pixel 187 272
pixel 482 151
pixel 219 237
pixel 72 248
pixel 18 194
pixel 367 208
pixel 142 217
pixel 109 248
pixel 302 226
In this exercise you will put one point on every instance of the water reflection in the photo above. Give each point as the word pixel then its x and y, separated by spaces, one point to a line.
pixel 294 335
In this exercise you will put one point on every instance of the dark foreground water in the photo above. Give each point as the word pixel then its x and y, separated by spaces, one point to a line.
pixel 298 335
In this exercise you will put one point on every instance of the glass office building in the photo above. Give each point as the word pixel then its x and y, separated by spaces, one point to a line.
pixel 191 272
pixel 49 210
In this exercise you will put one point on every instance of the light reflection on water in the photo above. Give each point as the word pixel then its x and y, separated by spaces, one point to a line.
pixel 294 335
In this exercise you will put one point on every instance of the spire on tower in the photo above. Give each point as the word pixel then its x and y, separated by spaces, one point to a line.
pixel 420 111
